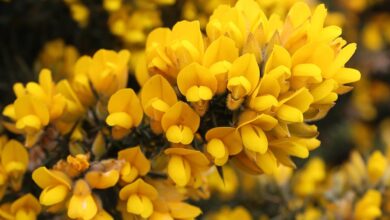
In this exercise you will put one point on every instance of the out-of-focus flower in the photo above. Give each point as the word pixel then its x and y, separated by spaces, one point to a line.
pixel 25 207
pixel 14 162
pixel 308 180
pixel 376 166
pixel 79 12
pixel 368 207
pixel 376 34
pixel 226 187
pixel 58 57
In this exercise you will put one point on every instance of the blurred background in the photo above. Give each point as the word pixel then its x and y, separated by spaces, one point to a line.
pixel 54 33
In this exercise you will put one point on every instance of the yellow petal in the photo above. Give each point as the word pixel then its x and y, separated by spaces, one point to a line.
pixel 322 90
pixel 246 66
pixel 196 94
pixel 376 166
pixel 279 57
pixel 83 207
pixel 179 170
pixel 239 87
pixel 289 114
pixel 298 14
pixel 308 70
pixel 254 138
pixel 341 59
pixel 347 75
pixel 181 210
pixel 216 148
pixel 53 194
pixel 264 102
pixel 267 162
pixel 27 202
pixel 157 87
pixel 222 49
pixel 179 134
pixel 125 100
pixel 140 205
pixel 45 178
pixel 14 152
pixel 121 119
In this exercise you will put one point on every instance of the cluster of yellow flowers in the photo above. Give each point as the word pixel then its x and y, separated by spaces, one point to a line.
pixel 245 91
pixel 133 21
pixel 269 77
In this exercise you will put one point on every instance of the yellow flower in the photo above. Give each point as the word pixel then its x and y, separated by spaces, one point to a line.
pixel 31 116
pixel 218 58
pixel 46 92
pixel 80 13
pixel 136 164
pixel 80 81
pixel 243 76
pixel 376 166
pixel 112 5
pixel 180 122
pixel 196 83
pixel 82 204
pixel 355 169
pixel 157 96
pixel 307 181
pixel 139 196
pixel 73 108
pixel 55 184
pixel 14 160
pixel 368 207
pixel 185 165
pixel 26 207
pixel 107 71
pixel 125 112
pixel 167 52
pixel 227 21
pixel 222 142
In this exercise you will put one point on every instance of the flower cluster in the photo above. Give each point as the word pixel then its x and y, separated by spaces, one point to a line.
pixel 269 77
